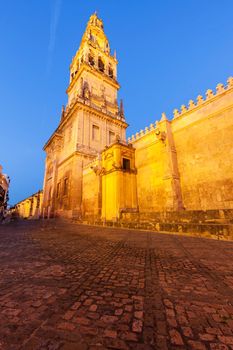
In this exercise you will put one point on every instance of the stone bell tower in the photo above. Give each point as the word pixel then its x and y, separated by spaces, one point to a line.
pixel 91 120
pixel 93 78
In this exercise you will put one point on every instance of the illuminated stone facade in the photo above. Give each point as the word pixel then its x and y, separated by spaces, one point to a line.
pixel 183 164
pixel 30 207
pixel 91 121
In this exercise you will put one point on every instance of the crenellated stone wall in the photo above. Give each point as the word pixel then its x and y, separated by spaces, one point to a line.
pixel 187 162
pixel 221 90
pixel 204 145
pixel 30 207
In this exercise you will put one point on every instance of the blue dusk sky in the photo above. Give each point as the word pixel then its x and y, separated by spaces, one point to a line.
pixel 168 52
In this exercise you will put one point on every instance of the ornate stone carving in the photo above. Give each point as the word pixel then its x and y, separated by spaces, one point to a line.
pixel 230 82
pixel 183 109
pixel 191 104
pixel 220 88
pixel 161 135
pixel 98 170
pixel 176 113
pixel 108 155
pixel 199 100
pixel 209 94
pixel 117 167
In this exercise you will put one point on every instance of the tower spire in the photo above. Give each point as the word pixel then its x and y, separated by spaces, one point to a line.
pixel 121 108
pixel 95 68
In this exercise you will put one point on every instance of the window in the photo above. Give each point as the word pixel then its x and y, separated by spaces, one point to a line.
pixel 95 133
pixel 58 189
pixel 92 38
pixel 112 137
pixel 65 188
pixel 69 133
pixel 91 60
pixel 100 65
pixel 50 193
pixel 110 71
pixel 126 164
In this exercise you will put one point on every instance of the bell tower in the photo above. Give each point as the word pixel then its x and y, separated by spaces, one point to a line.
pixel 93 71
pixel 91 120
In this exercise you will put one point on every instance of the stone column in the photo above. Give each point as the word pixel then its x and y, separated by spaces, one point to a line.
pixel 164 134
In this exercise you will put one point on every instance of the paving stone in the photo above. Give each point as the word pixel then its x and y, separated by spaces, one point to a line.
pixel 76 346
pixel 116 344
pixel 109 319
pixel 226 339
pixel 67 286
pixel 68 315
pixel 216 331
pixel 66 326
pixel 161 327
pixel 207 337
pixel 176 337
pixel 196 345
pixel 187 332
pixel 93 307
pixel 118 312
pixel 129 336
pixel 81 320
pixel 76 305
pixel 138 314
pixel 137 326
pixel 217 346
pixel 110 333
pixel 172 322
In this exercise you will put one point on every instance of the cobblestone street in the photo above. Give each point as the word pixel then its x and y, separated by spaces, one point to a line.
pixel 70 287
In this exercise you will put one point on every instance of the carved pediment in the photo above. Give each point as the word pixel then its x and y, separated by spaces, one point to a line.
pixel 126 154
pixel 98 170
pixel 109 155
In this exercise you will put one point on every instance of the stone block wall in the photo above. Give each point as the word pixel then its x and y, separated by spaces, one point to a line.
pixel 204 145
pixel 190 156
pixel 92 191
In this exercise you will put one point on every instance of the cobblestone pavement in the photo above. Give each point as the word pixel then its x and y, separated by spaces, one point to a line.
pixel 67 286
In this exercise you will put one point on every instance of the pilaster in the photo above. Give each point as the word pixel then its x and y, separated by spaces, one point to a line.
pixel 171 175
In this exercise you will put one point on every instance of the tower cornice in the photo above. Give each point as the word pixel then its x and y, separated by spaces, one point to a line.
pixel 80 104
pixel 90 107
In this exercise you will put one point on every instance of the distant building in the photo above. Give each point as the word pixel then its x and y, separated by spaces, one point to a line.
pixel 4 188
pixel 30 208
